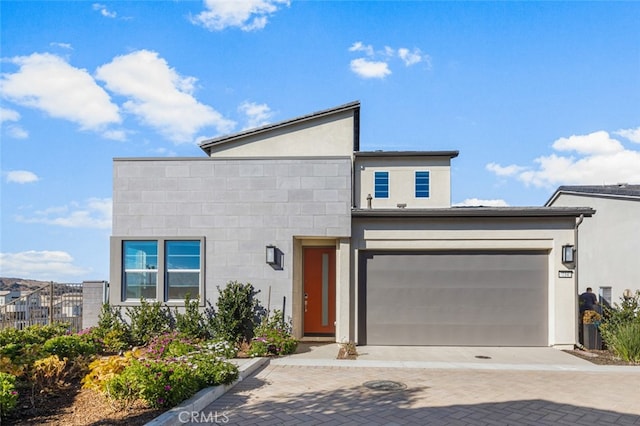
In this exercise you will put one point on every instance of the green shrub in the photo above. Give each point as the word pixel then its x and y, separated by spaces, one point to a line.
pixel 112 330
pixel 69 346
pixel 624 340
pixel 238 311
pixel 148 320
pixel 8 394
pixel 191 323
pixel 165 382
pixel 621 328
pixel 273 337
pixel 23 347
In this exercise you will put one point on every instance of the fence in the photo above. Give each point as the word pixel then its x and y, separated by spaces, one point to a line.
pixel 49 304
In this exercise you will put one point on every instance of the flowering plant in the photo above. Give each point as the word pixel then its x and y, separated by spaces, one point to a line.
pixel 591 317
pixel 8 393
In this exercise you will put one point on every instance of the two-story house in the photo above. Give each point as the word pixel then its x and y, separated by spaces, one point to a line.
pixel 352 245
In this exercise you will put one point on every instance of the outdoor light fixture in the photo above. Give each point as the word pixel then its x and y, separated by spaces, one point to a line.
pixel 568 254
pixel 271 255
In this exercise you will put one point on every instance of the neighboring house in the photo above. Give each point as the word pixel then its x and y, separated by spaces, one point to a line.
pixel 7 296
pixel 353 246
pixel 608 244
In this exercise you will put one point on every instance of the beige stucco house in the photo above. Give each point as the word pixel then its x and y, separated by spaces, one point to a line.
pixel 352 245
pixel 609 243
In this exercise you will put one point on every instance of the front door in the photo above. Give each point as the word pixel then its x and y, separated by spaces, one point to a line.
pixel 319 291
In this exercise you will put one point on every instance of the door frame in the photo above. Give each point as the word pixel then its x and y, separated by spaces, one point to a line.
pixel 330 294
pixel 298 285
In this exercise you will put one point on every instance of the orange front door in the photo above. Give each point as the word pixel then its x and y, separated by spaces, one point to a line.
pixel 319 291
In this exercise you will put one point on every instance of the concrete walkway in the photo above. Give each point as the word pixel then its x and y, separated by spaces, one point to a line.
pixel 425 386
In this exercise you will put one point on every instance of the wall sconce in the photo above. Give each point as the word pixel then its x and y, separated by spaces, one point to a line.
pixel 271 256
pixel 568 254
pixel 274 257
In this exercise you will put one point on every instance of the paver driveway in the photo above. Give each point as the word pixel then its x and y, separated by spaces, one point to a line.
pixel 330 395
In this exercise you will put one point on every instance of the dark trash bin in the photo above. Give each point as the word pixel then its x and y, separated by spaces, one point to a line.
pixel 591 336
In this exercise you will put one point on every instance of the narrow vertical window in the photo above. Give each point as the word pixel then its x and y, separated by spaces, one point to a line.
pixel 182 263
pixel 422 184
pixel 381 184
pixel 140 269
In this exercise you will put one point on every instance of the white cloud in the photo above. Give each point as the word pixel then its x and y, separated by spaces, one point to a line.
pixel 40 265
pixel 93 213
pixel 594 143
pixel 8 115
pixel 17 132
pixel 504 171
pixel 257 114
pixel 378 63
pixel 477 202
pixel 66 46
pixel 248 15
pixel 47 82
pixel 410 57
pixel 358 46
pixel 631 134
pixel 21 176
pixel 370 69
pixel 160 97
pixel 116 135
pixel 104 11
pixel 597 159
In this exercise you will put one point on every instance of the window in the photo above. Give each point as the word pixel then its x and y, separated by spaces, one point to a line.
pixel 164 269
pixel 140 269
pixel 422 184
pixel 381 184
pixel 183 269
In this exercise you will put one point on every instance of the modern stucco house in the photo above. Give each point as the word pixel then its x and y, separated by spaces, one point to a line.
pixel 363 246
pixel 609 243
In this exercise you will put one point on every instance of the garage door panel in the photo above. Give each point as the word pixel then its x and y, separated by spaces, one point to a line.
pixel 455 298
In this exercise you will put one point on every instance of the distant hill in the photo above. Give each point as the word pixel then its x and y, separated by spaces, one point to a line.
pixel 21 284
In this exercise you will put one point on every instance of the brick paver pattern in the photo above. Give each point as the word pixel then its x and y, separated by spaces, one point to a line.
pixel 301 395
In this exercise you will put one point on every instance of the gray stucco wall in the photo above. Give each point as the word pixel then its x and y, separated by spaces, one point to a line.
pixel 608 243
pixel 239 206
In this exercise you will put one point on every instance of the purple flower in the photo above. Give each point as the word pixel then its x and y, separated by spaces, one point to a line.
pixel 167 388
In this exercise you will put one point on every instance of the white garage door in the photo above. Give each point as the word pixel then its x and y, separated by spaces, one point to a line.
pixel 453 298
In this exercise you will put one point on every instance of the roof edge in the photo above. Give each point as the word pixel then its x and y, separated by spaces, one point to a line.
pixel 478 212
pixel 450 154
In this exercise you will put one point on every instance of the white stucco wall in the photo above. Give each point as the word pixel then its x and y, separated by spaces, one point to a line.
pixel 402 181
pixel 323 136
pixel 608 243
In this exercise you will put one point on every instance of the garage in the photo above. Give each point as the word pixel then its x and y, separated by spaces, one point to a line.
pixel 453 298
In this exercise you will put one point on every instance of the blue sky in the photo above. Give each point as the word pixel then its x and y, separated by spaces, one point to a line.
pixel 533 94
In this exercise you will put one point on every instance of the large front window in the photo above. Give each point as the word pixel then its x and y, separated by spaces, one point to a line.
pixel 140 269
pixel 183 269
pixel 163 269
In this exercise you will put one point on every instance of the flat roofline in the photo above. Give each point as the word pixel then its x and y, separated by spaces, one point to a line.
pixel 477 212
pixel 449 154
pixel 220 159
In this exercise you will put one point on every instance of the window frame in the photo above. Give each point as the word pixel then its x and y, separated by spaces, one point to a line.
pixel 375 184
pixel 145 269
pixel 415 184
pixel 167 269
pixel 162 294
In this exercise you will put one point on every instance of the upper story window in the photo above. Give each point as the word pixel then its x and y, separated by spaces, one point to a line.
pixel 422 184
pixel 381 184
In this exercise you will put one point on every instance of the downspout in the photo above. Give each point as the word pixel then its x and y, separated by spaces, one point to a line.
pixel 576 291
